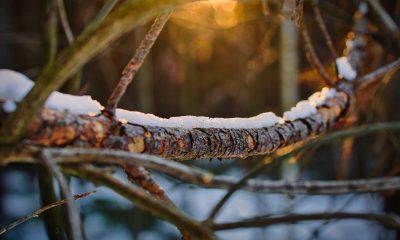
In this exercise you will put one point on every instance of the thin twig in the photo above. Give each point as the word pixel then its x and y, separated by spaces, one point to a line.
pixel 136 62
pixel 104 11
pixel 376 75
pixel 53 220
pixel 64 21
pixel 388 220
pixel 75 81
pixel 142 200
pixel 322 26
pixel 74 225
pixel 312 56
pixel 50 33
pixel 36 213
pixel 385 19
pixel 140 176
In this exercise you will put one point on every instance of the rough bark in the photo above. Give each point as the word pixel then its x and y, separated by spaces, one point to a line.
pixel 55 129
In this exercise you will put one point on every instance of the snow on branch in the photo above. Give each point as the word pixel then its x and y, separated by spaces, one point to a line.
pixel 76 121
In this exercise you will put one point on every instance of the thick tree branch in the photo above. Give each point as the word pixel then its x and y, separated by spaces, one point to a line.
pixel 53 128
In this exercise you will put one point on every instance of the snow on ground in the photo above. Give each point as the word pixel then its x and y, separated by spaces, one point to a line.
pixel 14 86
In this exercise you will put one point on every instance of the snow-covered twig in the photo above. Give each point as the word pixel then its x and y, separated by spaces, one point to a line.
pixel 40 211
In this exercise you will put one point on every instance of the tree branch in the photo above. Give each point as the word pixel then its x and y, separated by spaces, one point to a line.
pixel 142 200
pixel 36 213
pixel 140 176
pixel 388 220
pixel 135 63
pixel 125 17
pixel 52 128
pixel 74 225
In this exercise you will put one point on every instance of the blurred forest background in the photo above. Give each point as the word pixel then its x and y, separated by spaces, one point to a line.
pixel 218 59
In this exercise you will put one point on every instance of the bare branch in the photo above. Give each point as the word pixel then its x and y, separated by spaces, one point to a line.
pixel 312 56
pixel 388 220
pixel 385 19
pixel 36 213
pixel 140 176
pixel 322 26
pixel 377 75
pixel 74 226
pixel 64 21
pixel 136 62
pixel 143 200
pixel 104 11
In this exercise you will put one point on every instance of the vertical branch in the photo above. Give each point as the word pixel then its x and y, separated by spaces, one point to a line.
pixel 74 225
pixel 74 83
pixel 53 220
pixel 50 40
pixel 135 63
pixel 64 21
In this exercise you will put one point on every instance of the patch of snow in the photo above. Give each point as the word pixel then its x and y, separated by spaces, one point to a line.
pixel 14 85
pixel 9 106
pixel 301 110
pixel 345 70
pixel 262 120
pixel 363 7
pixel 73 104
pixel 319 98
